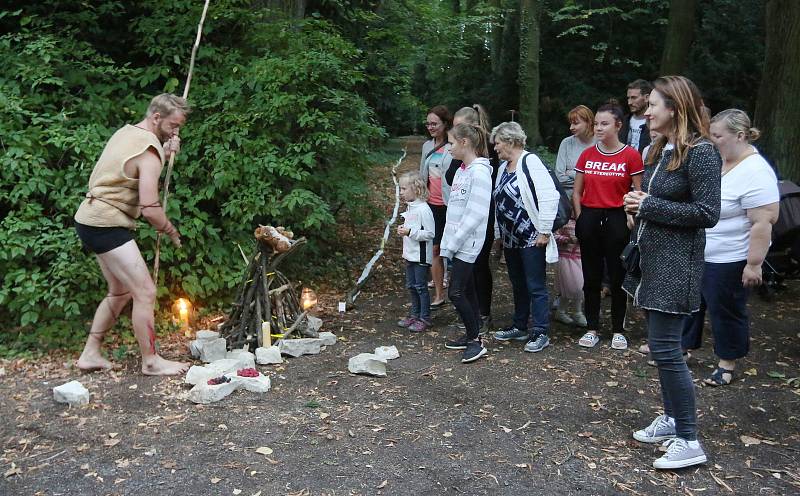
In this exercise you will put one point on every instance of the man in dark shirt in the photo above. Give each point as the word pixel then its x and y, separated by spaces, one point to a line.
pixel 634 131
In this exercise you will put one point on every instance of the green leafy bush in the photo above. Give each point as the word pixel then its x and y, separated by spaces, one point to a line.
pixel 279 135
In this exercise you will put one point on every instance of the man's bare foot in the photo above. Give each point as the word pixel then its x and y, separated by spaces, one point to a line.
pixel 92 362
pixel 156 365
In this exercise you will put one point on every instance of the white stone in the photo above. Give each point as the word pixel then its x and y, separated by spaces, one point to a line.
pixel 206 335
pixel 244 358
pixel 387 352
pixel 314 323
pixel 301 346
pixel 195 348
pixel 367 363
pixel 198 374
pixel 266 356
pixel 72 393
pixel 328 338
pixel 260 384
pixel 204 393
pixel 213 350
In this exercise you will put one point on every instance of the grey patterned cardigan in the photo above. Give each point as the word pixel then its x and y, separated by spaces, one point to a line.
pixel 671 230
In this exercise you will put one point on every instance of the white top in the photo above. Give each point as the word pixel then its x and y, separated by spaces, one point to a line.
pixel 635 131
pixel 418 245
pixel 750 184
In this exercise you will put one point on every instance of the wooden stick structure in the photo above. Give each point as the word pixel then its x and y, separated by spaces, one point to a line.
pixel 165 196
pixel 266 299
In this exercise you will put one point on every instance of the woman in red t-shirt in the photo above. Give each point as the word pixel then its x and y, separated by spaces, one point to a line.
pixel 605 173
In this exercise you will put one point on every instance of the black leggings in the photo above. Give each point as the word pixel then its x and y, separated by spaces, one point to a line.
pixel 482 273
pixel 465 299
pixel 603 233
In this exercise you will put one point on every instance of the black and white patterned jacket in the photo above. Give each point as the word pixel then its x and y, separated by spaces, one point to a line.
pixel 671 230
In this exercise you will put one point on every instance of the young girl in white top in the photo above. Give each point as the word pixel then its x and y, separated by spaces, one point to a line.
pixel 417 232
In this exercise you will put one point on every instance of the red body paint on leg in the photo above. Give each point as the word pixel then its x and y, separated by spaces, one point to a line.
pixel 152 334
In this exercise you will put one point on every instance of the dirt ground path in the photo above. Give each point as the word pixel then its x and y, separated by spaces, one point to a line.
pixel 557 422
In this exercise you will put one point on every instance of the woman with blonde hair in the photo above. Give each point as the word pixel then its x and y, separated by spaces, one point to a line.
pixel 581 125
pixel 680 198
pixel 737 245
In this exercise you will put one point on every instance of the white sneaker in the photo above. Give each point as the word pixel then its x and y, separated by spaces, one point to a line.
pixel 618 342
pixel 589 340
pixel 564 317
pixel 580 319
pixel 681 453
pixel 660 429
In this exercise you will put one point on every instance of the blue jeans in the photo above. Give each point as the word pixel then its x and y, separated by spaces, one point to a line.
pixel 725 298
pixel 417 284
pixel 527 272
pixel 677 391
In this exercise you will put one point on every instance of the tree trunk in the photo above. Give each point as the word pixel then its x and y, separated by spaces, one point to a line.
pixel 497 39
pixel 680 33
pixel 531 11
pixel 778 106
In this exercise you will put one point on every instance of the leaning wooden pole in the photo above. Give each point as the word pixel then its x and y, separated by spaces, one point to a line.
pixel 165 196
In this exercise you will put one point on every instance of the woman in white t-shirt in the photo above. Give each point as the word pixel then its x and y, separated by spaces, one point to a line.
pixel 737 245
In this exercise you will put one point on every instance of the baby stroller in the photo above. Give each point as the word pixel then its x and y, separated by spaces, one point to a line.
pixel 783 259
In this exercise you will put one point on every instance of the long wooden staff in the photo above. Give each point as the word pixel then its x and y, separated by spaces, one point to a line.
pixel 172 157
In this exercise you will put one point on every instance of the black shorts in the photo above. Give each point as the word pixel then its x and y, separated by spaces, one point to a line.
pixel 102 239
pixel 439 219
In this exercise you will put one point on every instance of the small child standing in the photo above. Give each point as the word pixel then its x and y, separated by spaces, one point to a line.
pixel 418 231
pixel 569 275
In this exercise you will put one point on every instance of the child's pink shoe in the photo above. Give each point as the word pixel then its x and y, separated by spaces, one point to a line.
pixel 406 322
pixel 419 325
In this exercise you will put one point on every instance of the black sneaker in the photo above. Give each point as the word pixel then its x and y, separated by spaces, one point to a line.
pixel 459 343
pixel 474 351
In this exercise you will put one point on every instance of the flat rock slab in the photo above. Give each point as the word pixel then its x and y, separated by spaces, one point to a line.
pixel 314 323
pixel 267 356
pixel 299 347
pixel 206 335
pixel 260 384
pixel 367 363
pixel 73 393
pixel 198 374
pixel 204 393
pixel 213 350
pixel 243 356
pixel 387 352
pixel 328 338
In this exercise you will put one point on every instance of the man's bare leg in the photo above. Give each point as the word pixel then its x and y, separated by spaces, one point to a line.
pixel 104 319
pixel 127 266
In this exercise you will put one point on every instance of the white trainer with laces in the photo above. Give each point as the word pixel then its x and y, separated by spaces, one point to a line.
pixel 681 453
pixel 660 429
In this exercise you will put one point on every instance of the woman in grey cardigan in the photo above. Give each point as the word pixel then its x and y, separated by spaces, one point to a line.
pixel 680 197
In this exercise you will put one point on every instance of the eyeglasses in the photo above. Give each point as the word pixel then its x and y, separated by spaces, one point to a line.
pixel 433 124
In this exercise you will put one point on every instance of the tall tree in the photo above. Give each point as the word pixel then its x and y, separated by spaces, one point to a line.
pixel 680 33
pixel 531 12
pixel 778 107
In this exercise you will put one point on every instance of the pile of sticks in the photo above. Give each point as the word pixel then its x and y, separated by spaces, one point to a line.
pixel 266 303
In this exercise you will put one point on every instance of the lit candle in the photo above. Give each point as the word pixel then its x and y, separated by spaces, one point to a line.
pixel 183 315
pixel 308 298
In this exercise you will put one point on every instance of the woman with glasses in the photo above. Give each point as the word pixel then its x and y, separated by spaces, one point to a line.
pixel 432 168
